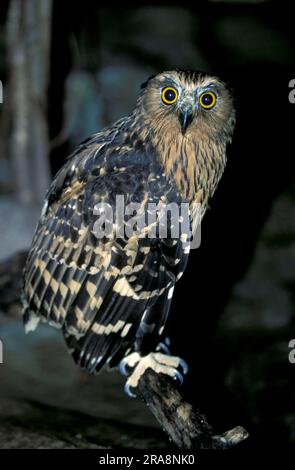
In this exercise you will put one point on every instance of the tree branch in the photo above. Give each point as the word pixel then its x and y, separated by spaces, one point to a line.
pixel 186 426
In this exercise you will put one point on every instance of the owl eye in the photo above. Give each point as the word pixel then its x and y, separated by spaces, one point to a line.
pixel 169 95
pixel 207 100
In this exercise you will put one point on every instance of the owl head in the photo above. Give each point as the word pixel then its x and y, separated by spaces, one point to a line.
pixel 188 104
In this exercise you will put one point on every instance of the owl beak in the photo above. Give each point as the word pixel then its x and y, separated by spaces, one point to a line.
pixel 185 118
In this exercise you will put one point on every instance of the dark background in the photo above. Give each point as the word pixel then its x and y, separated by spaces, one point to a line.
pixel 233 311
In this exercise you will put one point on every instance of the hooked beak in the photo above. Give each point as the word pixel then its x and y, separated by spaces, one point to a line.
pixel 185 117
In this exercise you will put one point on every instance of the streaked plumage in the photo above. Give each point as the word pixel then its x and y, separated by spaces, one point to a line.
pixel 112 296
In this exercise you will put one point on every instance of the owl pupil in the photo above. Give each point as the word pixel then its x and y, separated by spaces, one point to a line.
pixel 207 99
pixel 170 95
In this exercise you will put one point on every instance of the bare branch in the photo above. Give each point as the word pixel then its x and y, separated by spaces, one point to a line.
pixel 186 426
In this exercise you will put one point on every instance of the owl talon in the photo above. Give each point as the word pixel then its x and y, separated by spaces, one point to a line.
pixel 127 390
pixel 158 362
pixel 162 347
pixel 184 366
pixel 178 377
pixel 167 341
pixel 123 368
pixel 128 363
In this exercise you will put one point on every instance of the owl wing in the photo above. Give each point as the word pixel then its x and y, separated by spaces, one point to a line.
pixel 105 293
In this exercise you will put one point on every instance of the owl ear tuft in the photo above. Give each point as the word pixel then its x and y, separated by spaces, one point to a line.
pixel 145 84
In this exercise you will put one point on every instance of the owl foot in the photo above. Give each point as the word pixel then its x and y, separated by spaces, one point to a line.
pixel 134 366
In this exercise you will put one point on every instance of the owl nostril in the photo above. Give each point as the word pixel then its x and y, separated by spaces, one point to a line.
pixel 185 118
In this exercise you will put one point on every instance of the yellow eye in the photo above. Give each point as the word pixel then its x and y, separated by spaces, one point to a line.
pixel 169 95
pixel 207 100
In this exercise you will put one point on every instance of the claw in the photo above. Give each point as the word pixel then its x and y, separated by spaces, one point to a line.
pixel 127 390
pixel 122 368
pixel 164 348
pixel 167 341
pixel 184 366
pixel 178 376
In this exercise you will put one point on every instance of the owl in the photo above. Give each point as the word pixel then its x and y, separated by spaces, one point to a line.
pixel 110 293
